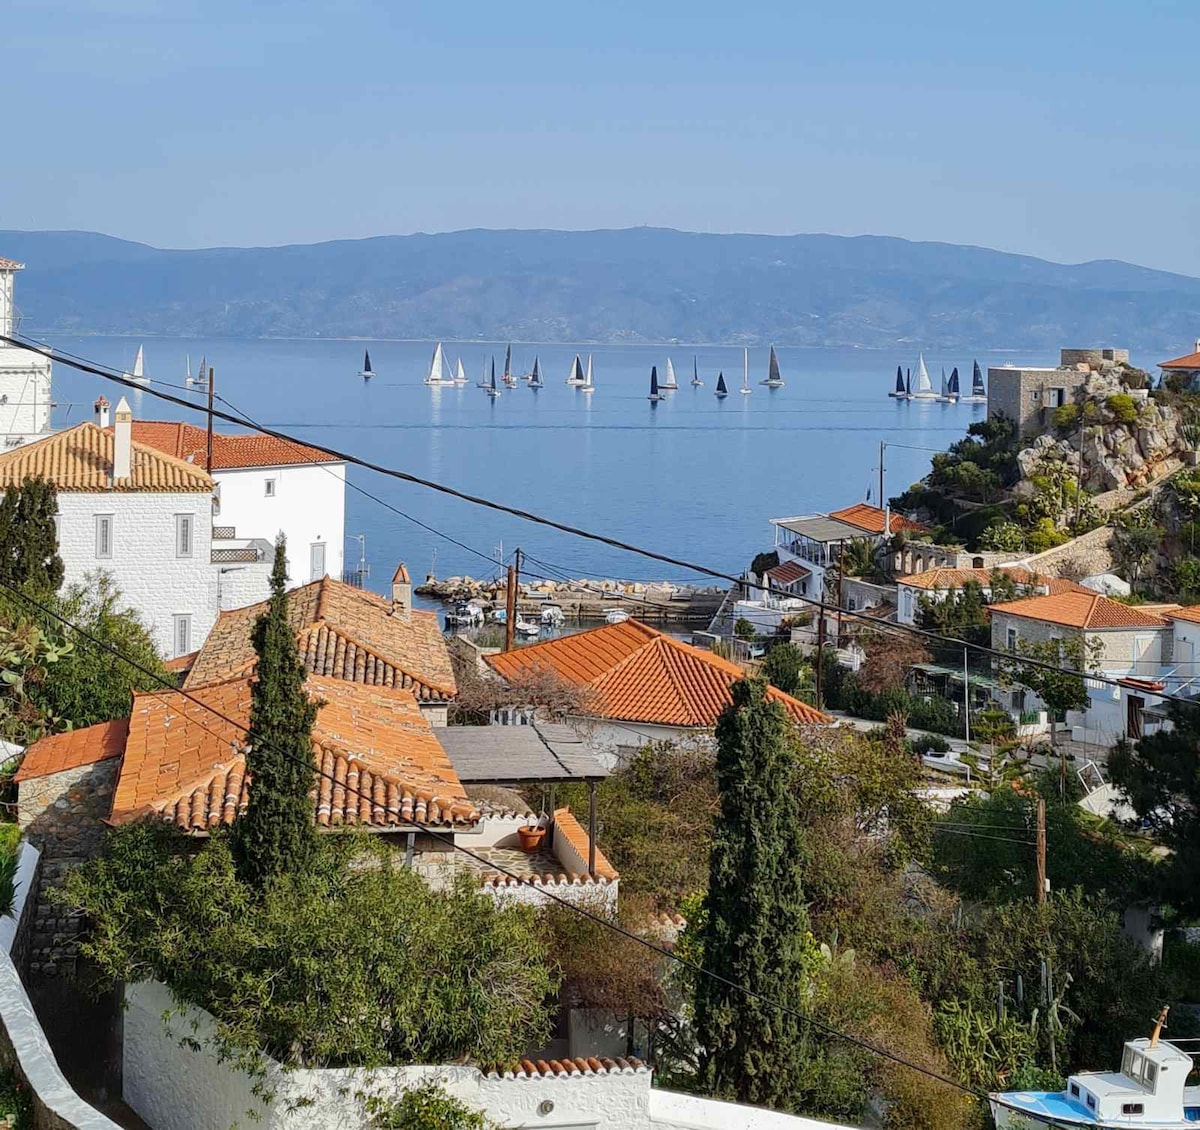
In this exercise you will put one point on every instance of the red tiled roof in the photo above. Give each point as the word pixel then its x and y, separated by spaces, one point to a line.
pixel 87 746
pixel 1081 609
pixel 870 520
pixel 343 632
pixel 635 673
pixel 230 452
pixel 788 571
pixel 1191 361
pixel 10 265
pixel 1190 612
pixel 184 763
pixel 955 579
pixel 551 1068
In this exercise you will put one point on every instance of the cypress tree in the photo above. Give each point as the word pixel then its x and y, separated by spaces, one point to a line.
pixel 28 538
pixel 755 923
pixel 276 834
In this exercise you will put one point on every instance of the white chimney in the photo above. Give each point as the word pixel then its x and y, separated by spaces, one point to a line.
pixel 1197 349
pixel 101 410
pixel 401 593
pixel 123 441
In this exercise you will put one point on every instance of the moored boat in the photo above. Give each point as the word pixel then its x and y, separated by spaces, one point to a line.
pixel 900 393
pixel 527 628
pixel 774 379
pixel 366 372
pixel 616 616
pixel 552 615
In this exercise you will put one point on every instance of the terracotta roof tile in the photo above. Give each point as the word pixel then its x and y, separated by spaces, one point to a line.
pixel 87 746
pixel 80 459
pixel 955 579
pixel 1190 361
pixel 230 452
pixel 11 265
pixel 380 763
pixel 566 1068
pixel 1081 609
pixel 870 519
pixel 343 632
pixel 1190 612
pixel 567 826
pixel 788 571
pixel 638 674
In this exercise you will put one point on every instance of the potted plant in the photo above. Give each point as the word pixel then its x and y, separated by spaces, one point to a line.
pixel 531 836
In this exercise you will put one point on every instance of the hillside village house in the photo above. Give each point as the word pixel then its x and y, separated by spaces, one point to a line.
pixel 145 519
pixel 640 685
pixel 937 584
pixel 1186 367
pixel 25 397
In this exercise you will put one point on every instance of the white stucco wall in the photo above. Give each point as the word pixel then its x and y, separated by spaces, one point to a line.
pixel 1186 653
pixel 242 583
pixel 309 505
pixel 24 395
pixel 144 564
pixel 615 742
pixel 669 1109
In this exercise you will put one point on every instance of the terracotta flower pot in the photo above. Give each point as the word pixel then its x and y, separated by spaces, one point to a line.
pixel 531 836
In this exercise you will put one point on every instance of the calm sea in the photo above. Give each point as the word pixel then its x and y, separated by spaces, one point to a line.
pixel 691 476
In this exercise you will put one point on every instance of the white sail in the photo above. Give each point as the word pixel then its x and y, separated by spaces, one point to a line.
pixel 139 366
pixel 437 368
pixel 670 382
pixel 187 379
pixel 460 376
pixel 924 384
pixel 587 385
pixel 745 372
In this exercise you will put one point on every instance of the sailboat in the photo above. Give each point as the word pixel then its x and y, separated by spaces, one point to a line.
pixel 187 370
pixel 201 380
pixel 576 377
pixel 460 374
pixel 746 389
pixel 945 393
pixel 535 378
pixel 924 389
pixel 138 376
pixel 508 378
pixel 655 395
pixel 587 385
pixel 696 381
pixel 900 393
pixel 670 383
pixel 978 392
pixel 366 372
pixel 908 384
pixel 492 390
pixel 953 392
pixel 774 380
pixel 722 391
pixel 439 370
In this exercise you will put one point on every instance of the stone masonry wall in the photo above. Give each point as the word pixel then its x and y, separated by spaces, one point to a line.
pixel 62 815
pixel 1086 555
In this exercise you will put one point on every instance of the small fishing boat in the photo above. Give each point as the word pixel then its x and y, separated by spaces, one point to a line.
pixel 467 615
pixel 576 377
pixel 901 392
pixel 492 390
pixel 138 376
pixel 978 391
pixel 696 381
pixel 953 393
pixel 587 385
pixel 924 389
pixel 746 389
pixel 669 384
pixel 616 616
pixel 439 370
pixel 722 391
pixel 366 372
pixel 1150 1091
pixel 527 628
pixel 655 395
pixel 508 377
pixel 552 616
pixel 535 378
pixel 774 379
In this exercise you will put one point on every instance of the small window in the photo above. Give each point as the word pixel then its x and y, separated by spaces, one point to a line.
pixel 1033 396
pixel 183 535
pixel 1074 1090
pixel 269 488
pixel 104 535
pixel 1151 1074
pixel 1133 1108
pixel 183 634
pixel 1010 639
pixel 1091 1101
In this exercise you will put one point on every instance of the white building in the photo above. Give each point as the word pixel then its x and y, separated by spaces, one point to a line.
pixel 937 584
pixel 145 519
pixel 265 486
pixel 24 375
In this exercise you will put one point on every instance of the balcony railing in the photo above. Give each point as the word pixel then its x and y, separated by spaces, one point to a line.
pixel 229 556
pixel 224 533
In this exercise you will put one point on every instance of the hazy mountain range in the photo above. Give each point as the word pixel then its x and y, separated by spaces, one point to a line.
pixel 637 284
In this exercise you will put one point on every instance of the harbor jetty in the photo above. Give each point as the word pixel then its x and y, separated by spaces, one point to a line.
pixel 587 601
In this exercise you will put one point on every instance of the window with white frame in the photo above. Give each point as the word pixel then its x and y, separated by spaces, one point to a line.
pixel 104 536
pixel 183 633
pixel 269 488
pixel 184 525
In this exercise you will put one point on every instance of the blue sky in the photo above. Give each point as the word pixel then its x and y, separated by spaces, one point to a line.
pixel 1059 129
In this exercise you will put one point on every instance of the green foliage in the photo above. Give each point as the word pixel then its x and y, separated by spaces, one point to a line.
pixel 1122 408
pixel 1003 536
pixel 276 834
pixel 1135 543
pixel 1045 535
pixel 744 630
pixel 756 933
pixel 983 1049
pixel 764 561
pixel 1066 418
pixel 1186 577
pixel 16 1102
pixel 353 962
pixel 27 658
pixel 427 1107
pixel 962 613
pixel 857 558
pixel 10 841
pixel 842 692
pixel 784 667
pixel 1058 685
pixel 28 539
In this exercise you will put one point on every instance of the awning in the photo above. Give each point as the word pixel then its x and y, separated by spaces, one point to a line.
pixel 518 755
pixel 820 528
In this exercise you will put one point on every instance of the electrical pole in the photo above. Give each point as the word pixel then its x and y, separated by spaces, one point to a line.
pixel 208 449
pixel 841 573
pixel 882 506
pixel 1041 851
pixel 966 699
pixel 510 602
pixel 818 674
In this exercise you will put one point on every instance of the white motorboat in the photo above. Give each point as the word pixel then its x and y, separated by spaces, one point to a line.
pixel 616 616
pixel 552 616
pixel 527 628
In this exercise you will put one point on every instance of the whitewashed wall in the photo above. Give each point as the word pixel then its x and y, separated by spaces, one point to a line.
pixel 242 583
pixel 615 742
pixel 25 382
pixel 143 564
pixel 309 505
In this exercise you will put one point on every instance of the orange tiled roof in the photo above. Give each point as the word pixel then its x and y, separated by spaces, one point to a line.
pixel 1191 361
pixel 956 578
pixel 561 1068
pixel 1081 609
pixel 635 673
pixel 190 443
pixel 10 265
pixel 1190 612
pixel 343 632
pixel 870 519
pixel 185 764
pixel 80 459
pixel 58 752
pixel 788 571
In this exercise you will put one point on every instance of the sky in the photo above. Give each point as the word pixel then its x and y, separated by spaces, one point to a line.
pixel 1059 129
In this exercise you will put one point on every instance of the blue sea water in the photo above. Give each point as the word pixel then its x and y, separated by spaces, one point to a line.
pixel 691 476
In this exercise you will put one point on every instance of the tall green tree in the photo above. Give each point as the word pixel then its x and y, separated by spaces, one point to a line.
pixel 28 538
pixel 276 835
pixel 1055 674
pixel 756 934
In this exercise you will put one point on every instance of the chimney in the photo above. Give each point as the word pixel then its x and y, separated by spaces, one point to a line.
pixel 1197 349
pixel 401 593
pixel 101 410
pixel 122 441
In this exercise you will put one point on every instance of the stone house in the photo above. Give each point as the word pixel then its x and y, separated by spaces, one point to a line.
pixel 1187 366
pixel 937 584
pixel 1029 396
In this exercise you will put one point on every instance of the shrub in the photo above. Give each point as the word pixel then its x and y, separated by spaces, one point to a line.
pixel 929 743
pixel 1045 535
pixel 1006 536
pixel 1122 408
pixel 743 629
pixel 427 1107
pixel 784 667
pixel 1066 418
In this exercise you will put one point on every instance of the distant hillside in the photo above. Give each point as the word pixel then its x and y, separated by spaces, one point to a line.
pixel 639 284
